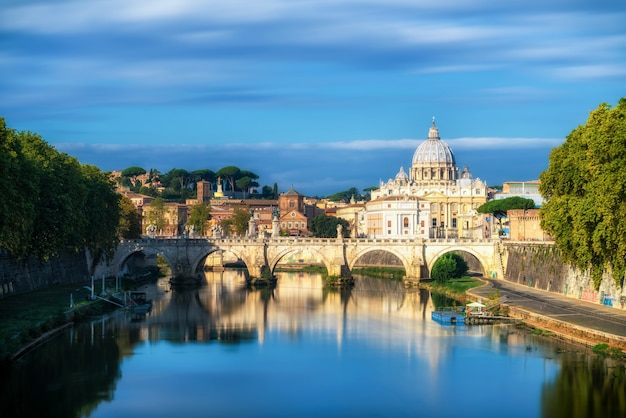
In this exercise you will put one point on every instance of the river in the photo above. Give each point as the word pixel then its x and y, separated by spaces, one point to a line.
pixel 300 350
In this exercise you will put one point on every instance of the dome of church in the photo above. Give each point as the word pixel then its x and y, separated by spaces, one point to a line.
pixel 433 150
pixel 402 175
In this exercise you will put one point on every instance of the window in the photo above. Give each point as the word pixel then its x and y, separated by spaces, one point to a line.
pixel 422 225
pixel 406 222
pixel 289 224
pixel 293 214
pixel 283 225
pixel 292 204
pixel 388 224
pixel 453 222
pixel 302 225
pixel 435 222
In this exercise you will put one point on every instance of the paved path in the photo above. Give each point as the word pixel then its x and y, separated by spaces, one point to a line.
pixel 580 313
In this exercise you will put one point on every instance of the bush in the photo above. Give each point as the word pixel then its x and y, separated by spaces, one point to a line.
pixel 448 267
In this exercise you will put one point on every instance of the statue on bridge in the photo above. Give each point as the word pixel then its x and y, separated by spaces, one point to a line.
pixel 217 231
pixel 151 230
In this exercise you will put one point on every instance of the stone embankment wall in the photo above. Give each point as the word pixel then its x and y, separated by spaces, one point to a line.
pixel 24 276
pixel 541 266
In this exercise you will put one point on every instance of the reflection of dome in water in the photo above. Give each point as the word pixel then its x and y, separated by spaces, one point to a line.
pixel 433 150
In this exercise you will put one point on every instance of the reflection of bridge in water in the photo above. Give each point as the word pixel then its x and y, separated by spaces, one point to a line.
pixel 223 308
pixel 187 256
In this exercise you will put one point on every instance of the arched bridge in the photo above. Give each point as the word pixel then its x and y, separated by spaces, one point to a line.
pixel 187 255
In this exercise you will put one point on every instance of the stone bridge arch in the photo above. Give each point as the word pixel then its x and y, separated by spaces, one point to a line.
pixel 406 263
pixel 274 258
pixel 147 252
pixel 432 259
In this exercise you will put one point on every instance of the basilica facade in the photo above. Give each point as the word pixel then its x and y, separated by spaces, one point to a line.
pixel 434 200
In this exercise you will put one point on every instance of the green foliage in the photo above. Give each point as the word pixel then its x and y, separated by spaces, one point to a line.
pixel 448 267
pixel 198 215
pixel 585 194
pixel 239 221
pixel 130 220
pixel 323 226
pixel 230 174
pixel 499 207
pixel 50 203
pixel 346 195
pixel 156 215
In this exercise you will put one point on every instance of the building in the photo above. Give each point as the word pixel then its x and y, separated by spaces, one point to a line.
pixel 292 213
pixel 450 198
pixel 354 213
pixel 525 225
pixel 398 216
pixel 172 218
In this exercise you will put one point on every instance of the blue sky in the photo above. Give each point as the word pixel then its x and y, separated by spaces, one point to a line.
pixel 316 94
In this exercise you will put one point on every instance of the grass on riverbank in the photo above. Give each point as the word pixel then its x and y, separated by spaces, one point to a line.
pixel 26 316
pixel 381 272
pixel 454 288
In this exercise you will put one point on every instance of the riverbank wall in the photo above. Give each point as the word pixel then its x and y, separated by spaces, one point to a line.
pixel 17 276
pixel 565 330
pixel 540 266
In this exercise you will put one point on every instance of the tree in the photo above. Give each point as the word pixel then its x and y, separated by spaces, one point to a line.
pixel 585 194
pixel 239 221
pixel 50 203
pixel 129 176
pixel 267 192
pixel 199 214
pixel 243 184
pixel 156 215
pixel 102 206
pixel 499 207
pixel 230 174
pixel 130 220
pixel 346 195
pixel 368 192
pixel 18 185
pixel 450 266
pixel 323 226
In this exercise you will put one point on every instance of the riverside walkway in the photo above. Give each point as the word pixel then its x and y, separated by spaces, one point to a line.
pixel 572 319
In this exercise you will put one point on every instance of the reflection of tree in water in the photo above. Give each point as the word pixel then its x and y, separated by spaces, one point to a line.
pixel 586 387
pixel 442 301
pixel 65 379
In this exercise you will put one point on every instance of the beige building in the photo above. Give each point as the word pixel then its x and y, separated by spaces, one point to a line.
pixel 525 225
pixel 452 197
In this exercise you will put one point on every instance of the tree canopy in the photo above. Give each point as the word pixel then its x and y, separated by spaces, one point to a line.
pixel 585 193
pixel 449 266
pixel 199 214
pixel 323 226
pixel 346 195
pixel 50 202
pixel 499 207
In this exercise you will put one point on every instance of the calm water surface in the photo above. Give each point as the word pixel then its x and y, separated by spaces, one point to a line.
pixel 302 351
